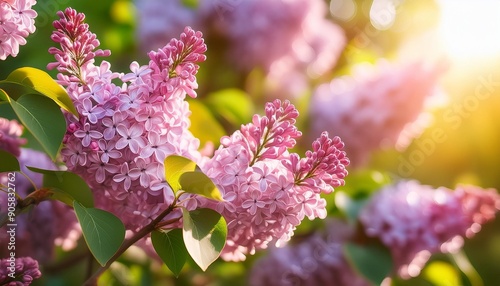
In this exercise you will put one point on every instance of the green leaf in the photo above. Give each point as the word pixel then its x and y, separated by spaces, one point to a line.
pixel 44 84
pixel 171 249
pixel 15 90
pixel 43 118
pixel 103 231
pixel 199 183
pixel 204 232
pixel 67 187
pixel 204 126
pixel 233 105
pixel 3 96
pixel 373 261
pixel 8 162
pixel 175 166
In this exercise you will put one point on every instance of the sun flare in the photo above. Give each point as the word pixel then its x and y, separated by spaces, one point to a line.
pixel 470 29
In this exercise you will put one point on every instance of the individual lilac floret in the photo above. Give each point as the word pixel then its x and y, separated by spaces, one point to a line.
pixel 414 221
pixel 17 21
pixel 316 260
pixel 267 190
pixel 10 132
pixel 125 132
pixel 22 271
pixel 372 107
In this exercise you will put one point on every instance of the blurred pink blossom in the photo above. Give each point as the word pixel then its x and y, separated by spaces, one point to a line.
pixel 374 105
pixel 316 260
pixel 415 220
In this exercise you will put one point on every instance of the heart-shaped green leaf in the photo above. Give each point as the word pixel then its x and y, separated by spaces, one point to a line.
pixel 199 183
pixel 204 232
pixel 175 166
pixel 103 232
pixel 171 249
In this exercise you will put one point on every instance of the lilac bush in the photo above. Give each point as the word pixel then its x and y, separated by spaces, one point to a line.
pixel 123 135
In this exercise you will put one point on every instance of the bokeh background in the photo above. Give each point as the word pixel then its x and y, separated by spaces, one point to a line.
pixel 459 143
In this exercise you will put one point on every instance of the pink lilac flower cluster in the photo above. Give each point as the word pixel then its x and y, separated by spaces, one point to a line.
pixel 17 21
pixel 315 260
pixel 284 38
pixel 415 220
pixel 268 191
pixel 50 222
pixel 124 132
pixel 10 140
pixel 373 106
pixel 25 270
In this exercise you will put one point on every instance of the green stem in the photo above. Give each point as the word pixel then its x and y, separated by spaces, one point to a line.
pixel 462 262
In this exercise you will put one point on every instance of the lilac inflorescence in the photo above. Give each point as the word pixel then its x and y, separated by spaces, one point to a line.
pixel 267 190
pixel 414 220
pixel 25 271
pixel 124 132
pixel 17 21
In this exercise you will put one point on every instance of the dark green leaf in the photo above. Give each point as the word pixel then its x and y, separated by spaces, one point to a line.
pixel 373 261
pixel 43 118
pixel 199 183
pixel 171 249
pixel 103 231
pixel 44 84
pixel 14 90
pixel 204 232
pixel 8 162
pixel 175 166
pixel 67 187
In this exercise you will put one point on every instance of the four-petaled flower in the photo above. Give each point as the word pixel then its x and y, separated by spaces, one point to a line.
pixel 87 135
pixel 131 137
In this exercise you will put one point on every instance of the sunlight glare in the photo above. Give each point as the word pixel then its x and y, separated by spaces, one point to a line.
pixel 470 29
